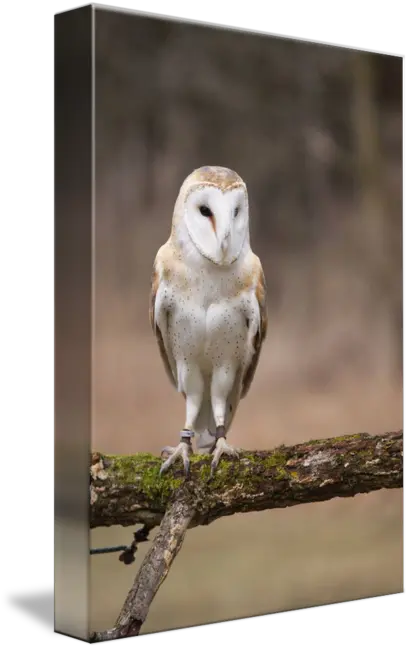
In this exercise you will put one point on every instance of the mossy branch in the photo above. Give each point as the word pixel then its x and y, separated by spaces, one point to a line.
pixel 126 490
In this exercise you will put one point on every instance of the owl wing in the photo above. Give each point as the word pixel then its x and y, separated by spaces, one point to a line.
pixel 158 318
pixel 259 285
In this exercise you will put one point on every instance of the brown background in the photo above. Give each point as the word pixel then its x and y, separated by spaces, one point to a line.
pixel 315 132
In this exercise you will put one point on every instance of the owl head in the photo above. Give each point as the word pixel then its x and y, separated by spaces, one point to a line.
pixel 212 212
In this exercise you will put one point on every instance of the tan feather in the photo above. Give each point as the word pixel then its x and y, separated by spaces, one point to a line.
pixel 155 282
pixel 260 292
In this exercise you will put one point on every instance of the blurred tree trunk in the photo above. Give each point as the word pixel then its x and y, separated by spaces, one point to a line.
pixel 313 180
pixel 376 226
pixel 368 156
pixel 311 176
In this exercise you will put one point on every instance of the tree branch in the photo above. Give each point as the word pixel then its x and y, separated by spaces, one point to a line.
pixel 153 570
pixel 127 490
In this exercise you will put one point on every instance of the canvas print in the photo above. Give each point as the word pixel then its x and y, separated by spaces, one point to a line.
pixel 245 290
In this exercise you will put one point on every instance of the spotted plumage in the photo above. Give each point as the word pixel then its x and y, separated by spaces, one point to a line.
pixel 208 307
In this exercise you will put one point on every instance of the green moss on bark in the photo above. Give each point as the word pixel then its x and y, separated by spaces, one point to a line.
pixel 142 470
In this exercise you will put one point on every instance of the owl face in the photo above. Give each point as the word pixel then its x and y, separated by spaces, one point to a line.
pixel 217 221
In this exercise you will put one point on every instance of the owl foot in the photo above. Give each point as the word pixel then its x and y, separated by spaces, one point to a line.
pixel 183 450
pixel 220 448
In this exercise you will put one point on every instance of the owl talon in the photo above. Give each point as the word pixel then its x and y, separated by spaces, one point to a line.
pixel 167 451
pixel 221 448
pixel 183 451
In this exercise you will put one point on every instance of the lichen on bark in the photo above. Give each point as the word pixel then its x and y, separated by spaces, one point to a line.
pixel 127 490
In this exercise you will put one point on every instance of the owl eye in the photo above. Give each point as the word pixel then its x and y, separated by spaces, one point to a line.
pixel 236 211
pixel 204 210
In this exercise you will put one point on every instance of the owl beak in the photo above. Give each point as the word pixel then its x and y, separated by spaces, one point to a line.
pixel 225 243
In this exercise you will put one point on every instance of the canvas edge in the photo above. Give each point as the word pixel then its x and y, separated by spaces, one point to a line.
pixel 50 177
pixel 73 69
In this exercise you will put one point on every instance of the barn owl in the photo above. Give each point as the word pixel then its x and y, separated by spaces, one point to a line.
pixel 208 309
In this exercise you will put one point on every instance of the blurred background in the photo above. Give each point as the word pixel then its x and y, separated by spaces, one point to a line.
pixel 316 133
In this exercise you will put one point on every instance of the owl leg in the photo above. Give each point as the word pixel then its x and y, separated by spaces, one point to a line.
pixel 193 387
pixel 222 383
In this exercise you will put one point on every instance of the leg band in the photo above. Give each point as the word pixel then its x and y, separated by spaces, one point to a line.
pixel 185 433
pixel 220 432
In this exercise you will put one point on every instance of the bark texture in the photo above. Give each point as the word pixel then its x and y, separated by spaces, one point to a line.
pixel 126 490
pixel 153 570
